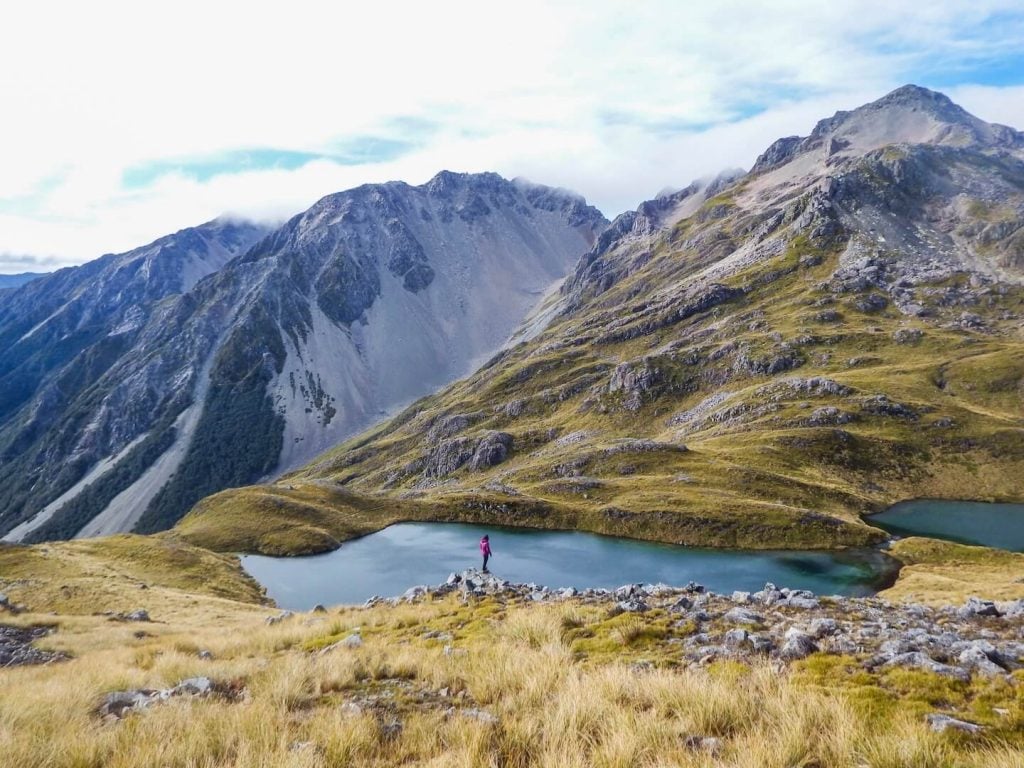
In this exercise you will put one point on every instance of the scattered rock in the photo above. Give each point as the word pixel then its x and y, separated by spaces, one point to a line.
pixel 873 302
pixel 881 405
pixel 480 714
pixel 908 336
pixel 829 415
pixel 708 744
pixel 791 624
pixel 282 616
pixel 120 703
pixel 138 615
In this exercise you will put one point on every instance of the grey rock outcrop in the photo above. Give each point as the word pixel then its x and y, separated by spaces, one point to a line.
pixel 475 453
pixel 17 647
pixel 118 704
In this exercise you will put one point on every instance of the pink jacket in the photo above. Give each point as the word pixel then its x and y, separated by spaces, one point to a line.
pixel 485 547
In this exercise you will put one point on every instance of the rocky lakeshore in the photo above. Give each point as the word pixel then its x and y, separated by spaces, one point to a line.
pixel 979 637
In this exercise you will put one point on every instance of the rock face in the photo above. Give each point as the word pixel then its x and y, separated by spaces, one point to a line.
pixel 369 299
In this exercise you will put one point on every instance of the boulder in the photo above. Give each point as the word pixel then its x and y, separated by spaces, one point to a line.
pixel 979 661
pixel 1012 609
pixel 805 603
pixel 797 645
pixel 193 686
pixel 923 661
pixel 768 596
pixel 942 723
pixel 414 593
pixel 633 605
pixel 736 638
pixel 682 605
pixel 977 607
pixel 823 626
pixel 742 616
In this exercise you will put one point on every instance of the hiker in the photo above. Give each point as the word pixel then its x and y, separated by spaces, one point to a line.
pixel 485 550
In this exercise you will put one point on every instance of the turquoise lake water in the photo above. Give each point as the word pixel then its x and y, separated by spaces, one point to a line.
pixel 392 560
pixel 967 522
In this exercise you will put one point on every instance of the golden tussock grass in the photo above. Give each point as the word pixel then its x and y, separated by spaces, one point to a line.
pixel 552 707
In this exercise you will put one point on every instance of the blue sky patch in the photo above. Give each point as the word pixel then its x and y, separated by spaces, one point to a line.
pixel 356 151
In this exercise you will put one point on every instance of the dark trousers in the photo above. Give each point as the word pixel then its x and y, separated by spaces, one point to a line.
pixel 486 558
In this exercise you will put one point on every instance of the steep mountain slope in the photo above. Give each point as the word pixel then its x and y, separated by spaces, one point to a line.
pixel 370 298
pixel 13 281
pixel 757 363
pixel 60 333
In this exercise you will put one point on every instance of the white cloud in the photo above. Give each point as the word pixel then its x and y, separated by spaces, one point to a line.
pixel 614 100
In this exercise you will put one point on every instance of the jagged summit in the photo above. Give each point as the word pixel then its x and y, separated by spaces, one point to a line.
pixel 908 115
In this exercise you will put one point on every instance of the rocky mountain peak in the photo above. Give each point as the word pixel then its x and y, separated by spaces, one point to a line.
pixel 371 298
pixel 908 115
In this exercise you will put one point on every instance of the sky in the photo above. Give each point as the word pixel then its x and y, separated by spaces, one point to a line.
pixel 122 122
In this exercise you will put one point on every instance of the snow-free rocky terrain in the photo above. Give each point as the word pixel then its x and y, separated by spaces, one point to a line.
pixel 755 361
pixel 136 384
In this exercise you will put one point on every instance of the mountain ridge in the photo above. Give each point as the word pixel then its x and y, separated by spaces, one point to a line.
pixel 760 365
pixel 283 343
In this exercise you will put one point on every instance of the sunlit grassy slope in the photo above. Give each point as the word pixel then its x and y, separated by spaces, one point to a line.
pixel 940 572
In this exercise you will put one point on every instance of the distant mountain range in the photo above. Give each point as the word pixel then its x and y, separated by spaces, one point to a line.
pixel 757 361
pixel 136 384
